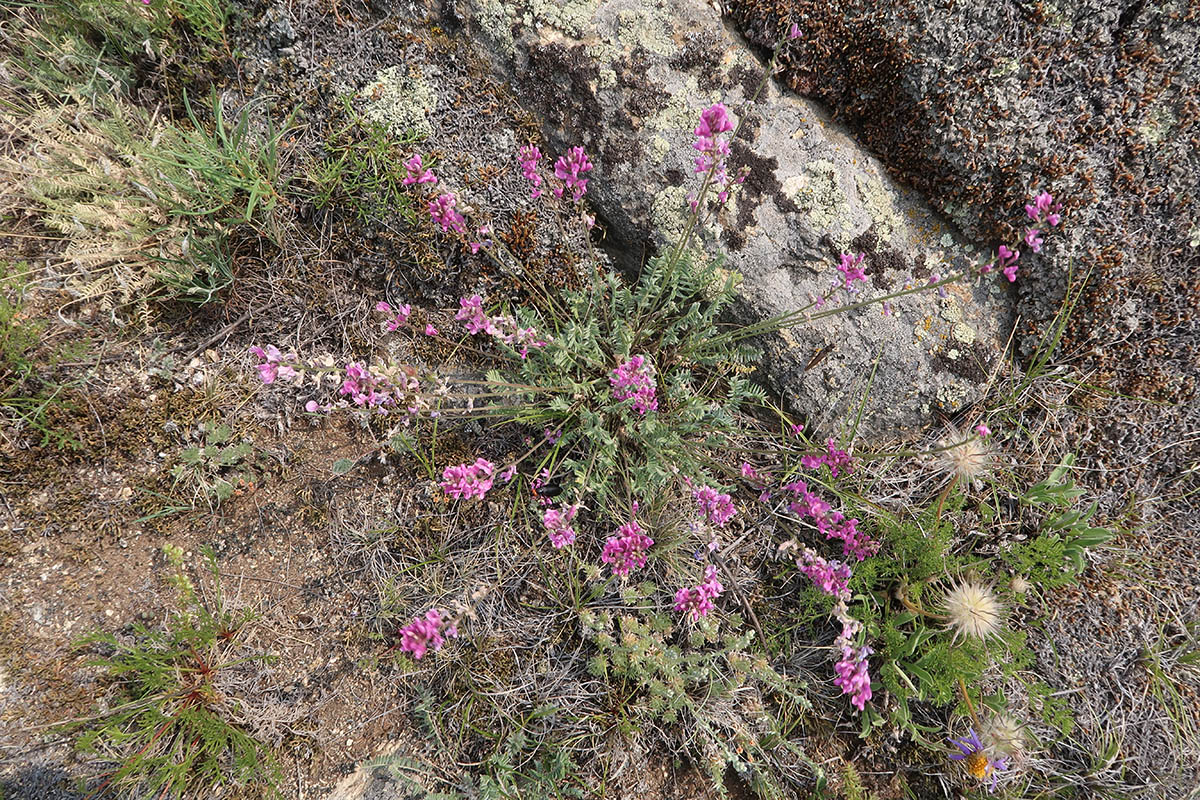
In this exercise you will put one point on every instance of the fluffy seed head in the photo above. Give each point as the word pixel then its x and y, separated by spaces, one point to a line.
pixel 973 610
pixel 964 456
pixel 1004 733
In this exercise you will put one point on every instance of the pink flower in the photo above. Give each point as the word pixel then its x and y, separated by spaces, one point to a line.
pixel 569 169
pixel 272 364
pixel 416 172
pixel 402 313
pixel 983 430
pixel 470 313
pixel 713 120
pixel 468 480
pixel 850 270
pixel 698 600
pixel 749 471
pixel 627 550
pixel 426 633
pixel 529 157
pixel 794 31
pixel 634 378
pixel 1033 239
pixel 430 330
pixel 837 459
pixel 831 577
pixel 853 677
pixel 441 208
pixel 833 524
pixel 558 526
pixel 718 508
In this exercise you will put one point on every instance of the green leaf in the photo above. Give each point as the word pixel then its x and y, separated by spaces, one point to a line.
pixel 342 466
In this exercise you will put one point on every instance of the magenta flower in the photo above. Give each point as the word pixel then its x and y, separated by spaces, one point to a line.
pixel 529 157
pixel 400 315
pixel 794 31
pixel 718 508
pixel 983 430
pixel 417 173
pixel 833 524
pixel 1033 239
pixel 441 208
pixel 698 600
pixel 850 269
pixel 634 378
pixel 558 526
pixel 853 677
pixel 831 577
pixel 713 120
pixel 569 169
pixel 426 633
pixel 272 364
pixel 430 330
pixel 468 480
pixel 837 459
pixel 627 550
pixel 1045 209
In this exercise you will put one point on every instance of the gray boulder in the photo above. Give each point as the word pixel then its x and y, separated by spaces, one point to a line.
pixel 628 79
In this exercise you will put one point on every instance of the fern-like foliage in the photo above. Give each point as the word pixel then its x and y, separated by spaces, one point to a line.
pixel 671 316
pixel 172 729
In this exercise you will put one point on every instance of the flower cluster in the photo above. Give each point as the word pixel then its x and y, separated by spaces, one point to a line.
pixel 833 524
pixel 850 269
pixel 558 526
pixel 442 209
pixel 979 764
pixel 397 316
pixel 469 480
pixel 833 578
pixel 504 328
pixel 838 460
pixel 529 157
pixel 1043 211
pixel 718 508
pixel 272 364
pixel 569 169
pixel 634 378
pixel 427 633
pixel 366 389
pixel 714 151
pixel 698 600
pixel 627 550
pixel 853 675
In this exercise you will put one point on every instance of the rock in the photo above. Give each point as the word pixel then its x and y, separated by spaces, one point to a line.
pixel 978 105
pixel 627 80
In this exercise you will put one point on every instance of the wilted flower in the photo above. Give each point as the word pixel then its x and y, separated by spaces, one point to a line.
pixel 963 456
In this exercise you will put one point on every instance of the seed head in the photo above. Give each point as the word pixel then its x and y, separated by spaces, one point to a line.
pixel 964 456
pixel 1004 733
pixel 973 610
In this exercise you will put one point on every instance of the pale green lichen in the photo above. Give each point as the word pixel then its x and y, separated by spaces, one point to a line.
pixel 1159 125
pixel 818 192
pixel 669 212
pixel 604 53
pixel 964 333
pixel 571 17
pixel 659 147
pixel 647 28
pixel 401 100
pixel 679 113
pixel 952 396
pixel 494 18
pixel 880 204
